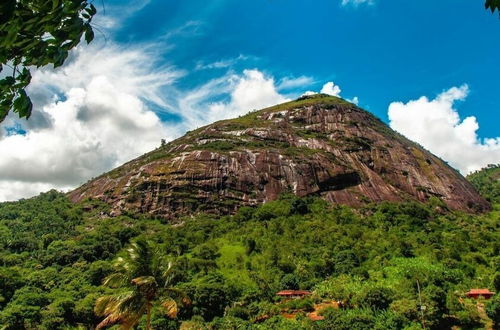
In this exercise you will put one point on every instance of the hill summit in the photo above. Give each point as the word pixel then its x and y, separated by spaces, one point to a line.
pixel 316 145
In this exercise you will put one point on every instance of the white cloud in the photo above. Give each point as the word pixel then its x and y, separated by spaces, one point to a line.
pixel 91 115
pixel 354 100
pixel 253 90
pixel 248 91
pixel 437 126
pixel 331 89
pixel 357 2
pixel 13 190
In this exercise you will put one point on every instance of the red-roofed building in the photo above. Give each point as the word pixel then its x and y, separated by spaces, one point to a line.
pixel 476 293
pixel 293 293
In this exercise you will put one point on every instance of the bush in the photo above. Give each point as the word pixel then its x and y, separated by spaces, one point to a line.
pixel 239 312
pixel 289 282
pixel 345 261
pixel 299 304
pixel 359 319
pixel 378 298
pixel 493 310
pixel 386 320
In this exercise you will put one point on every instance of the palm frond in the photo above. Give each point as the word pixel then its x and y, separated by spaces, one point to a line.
pixel 126 323
pixel 144 280
pixel 178 295
pixel 150 277
pixel 123 308
pixel 116 280
pixel 170 306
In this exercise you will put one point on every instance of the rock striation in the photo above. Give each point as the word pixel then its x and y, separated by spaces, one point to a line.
pixel 319 145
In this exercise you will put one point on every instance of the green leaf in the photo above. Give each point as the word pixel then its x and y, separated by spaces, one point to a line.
pixel 23 26
pixel 23 105
pixel 23 79
pixel 89 34
pixel 7 81
pixel 492 5
pixel 60 57
pixel 93 10
pixel 4 111
pixel 7 8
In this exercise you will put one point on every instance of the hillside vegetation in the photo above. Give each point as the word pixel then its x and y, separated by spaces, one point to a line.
pixel 487 182
pixel 375 260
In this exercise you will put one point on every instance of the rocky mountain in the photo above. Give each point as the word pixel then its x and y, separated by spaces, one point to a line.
pixel 319 145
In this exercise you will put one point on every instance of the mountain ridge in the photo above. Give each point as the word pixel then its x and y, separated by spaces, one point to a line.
pixel 316 145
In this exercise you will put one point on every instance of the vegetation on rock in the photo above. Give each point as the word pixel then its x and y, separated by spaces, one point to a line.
pixel 487 182
pixel 314 146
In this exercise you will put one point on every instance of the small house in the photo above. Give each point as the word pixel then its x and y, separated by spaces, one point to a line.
pixel 293 293
pixel 477 293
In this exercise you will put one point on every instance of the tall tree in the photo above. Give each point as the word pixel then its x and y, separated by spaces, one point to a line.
pixel 143 278
pixel 37 33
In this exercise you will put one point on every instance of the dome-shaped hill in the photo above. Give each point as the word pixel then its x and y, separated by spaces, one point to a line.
pixel 318 145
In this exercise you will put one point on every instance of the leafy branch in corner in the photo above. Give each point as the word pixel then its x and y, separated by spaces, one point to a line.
pixel 36 33
pixel 493 5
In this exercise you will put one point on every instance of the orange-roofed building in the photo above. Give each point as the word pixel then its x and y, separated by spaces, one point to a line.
pixel 477 293
pixel 293 293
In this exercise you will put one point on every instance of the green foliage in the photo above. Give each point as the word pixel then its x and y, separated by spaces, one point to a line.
pixel 378 298
pixel 143 277
pixel 298 304
pixel 290 282
pixel 359 319
pixel 37 33
pixel 210 295
pixel 55 255
pixel 493 310
pixel 492 5
pixel 487 182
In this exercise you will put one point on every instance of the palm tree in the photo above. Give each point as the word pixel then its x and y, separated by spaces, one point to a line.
pixel 144 279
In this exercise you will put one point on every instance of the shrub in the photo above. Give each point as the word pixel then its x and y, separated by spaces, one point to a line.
pixel 493 310
pixel 299 304
pixel 359 319
pixel 378 298
pixel 289 282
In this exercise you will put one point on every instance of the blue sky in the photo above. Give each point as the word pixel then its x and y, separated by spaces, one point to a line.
pixel 390 50
pixel 158 68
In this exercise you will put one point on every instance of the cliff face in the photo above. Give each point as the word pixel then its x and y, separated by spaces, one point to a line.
pixel 317 145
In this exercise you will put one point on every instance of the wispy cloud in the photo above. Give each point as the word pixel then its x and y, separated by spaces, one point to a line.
pixel 188 29
pixel 292 82
pixel 111 16
pixel 240 93
pixel 357 2
pixel 222 64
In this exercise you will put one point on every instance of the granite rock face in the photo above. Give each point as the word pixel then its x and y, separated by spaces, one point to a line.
pixel 316 145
